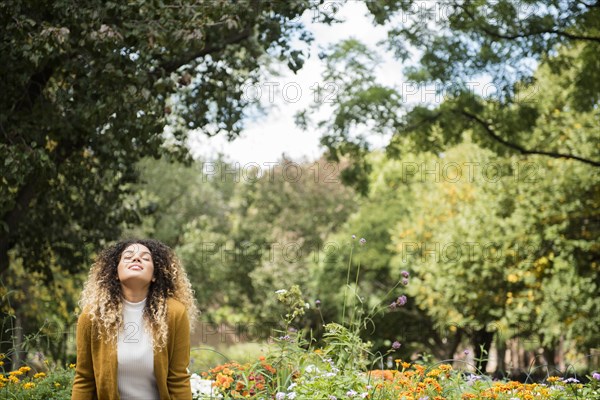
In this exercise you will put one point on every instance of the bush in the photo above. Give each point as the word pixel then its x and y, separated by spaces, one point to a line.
pixel 55 385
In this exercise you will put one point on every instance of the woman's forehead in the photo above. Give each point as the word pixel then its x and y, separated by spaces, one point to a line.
pixel 136 248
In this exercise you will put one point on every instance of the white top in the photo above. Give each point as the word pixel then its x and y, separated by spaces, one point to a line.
pixel 135 372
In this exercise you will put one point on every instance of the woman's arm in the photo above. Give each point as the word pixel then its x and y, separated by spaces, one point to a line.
pixel 84 384
pixel 178 378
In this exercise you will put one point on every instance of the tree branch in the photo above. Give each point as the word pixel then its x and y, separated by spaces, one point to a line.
pixel 172 66
pixel 520 148
pixel 35 87
pixel 494 31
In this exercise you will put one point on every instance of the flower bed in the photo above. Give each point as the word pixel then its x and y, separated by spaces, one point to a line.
pixel 314 375
pixel 410 381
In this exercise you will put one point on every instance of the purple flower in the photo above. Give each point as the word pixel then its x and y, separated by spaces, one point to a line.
pixel 405 281
pixel 317 302
pixel 351 393
pixel 571 380
pixel 466 352
pixel 405 274
pixel 396 345
pixel 596 376
pixel 401 300
pixel 472 378
pixel 362 241
pixel 393 305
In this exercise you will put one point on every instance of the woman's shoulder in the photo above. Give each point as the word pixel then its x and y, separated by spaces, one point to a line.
pixel 174 306
pixel 85 315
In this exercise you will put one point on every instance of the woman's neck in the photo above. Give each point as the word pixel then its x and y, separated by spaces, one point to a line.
pixel 134 295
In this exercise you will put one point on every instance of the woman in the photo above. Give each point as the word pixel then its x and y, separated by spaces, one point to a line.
pixel 133 335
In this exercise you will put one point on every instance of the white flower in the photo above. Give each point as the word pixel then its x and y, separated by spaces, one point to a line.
pixel 311 369
pixel 202 388
pixel 280 396
pixel 281 291
pixel 293 385
pixel 291 395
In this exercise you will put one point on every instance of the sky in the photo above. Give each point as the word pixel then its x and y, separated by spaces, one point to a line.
pixel 265 139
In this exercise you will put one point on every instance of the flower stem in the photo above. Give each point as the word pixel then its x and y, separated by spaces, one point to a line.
pixel 346 288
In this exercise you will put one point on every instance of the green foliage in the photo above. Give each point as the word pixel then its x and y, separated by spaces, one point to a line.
pixel 88 90
pixel 460 42
pixel 56 384
pixel 488 68
pixel 258 235
pixel 37 318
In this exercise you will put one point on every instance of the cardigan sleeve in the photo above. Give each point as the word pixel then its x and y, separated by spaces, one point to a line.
pixel 84 384
pixel 178 379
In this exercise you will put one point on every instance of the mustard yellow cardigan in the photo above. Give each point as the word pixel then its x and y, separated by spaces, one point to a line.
pixel 96 368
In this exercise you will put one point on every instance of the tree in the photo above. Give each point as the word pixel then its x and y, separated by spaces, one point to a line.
pixel 87 91
pixel 461 47
pixel 278 219
pixel 491 240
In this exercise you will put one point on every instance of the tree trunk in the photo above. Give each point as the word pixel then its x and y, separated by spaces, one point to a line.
pixel 501 356
pixel 550 359
pixel 482 342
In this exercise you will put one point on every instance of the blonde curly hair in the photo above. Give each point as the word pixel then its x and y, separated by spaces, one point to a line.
pixel 102 295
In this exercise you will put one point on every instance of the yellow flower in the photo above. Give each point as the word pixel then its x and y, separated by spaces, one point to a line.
pixel 56 384
pixel 28 385
pixel 553 379
pixel 2 356
pixel 15 373
pixel 39 375
pixel 25 369
pixel 1 363
pixel 71 366
pixel 13 379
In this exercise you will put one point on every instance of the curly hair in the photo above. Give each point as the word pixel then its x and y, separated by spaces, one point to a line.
pixel 102 295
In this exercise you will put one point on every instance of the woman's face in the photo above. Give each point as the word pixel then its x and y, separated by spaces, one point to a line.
pixel 136 267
